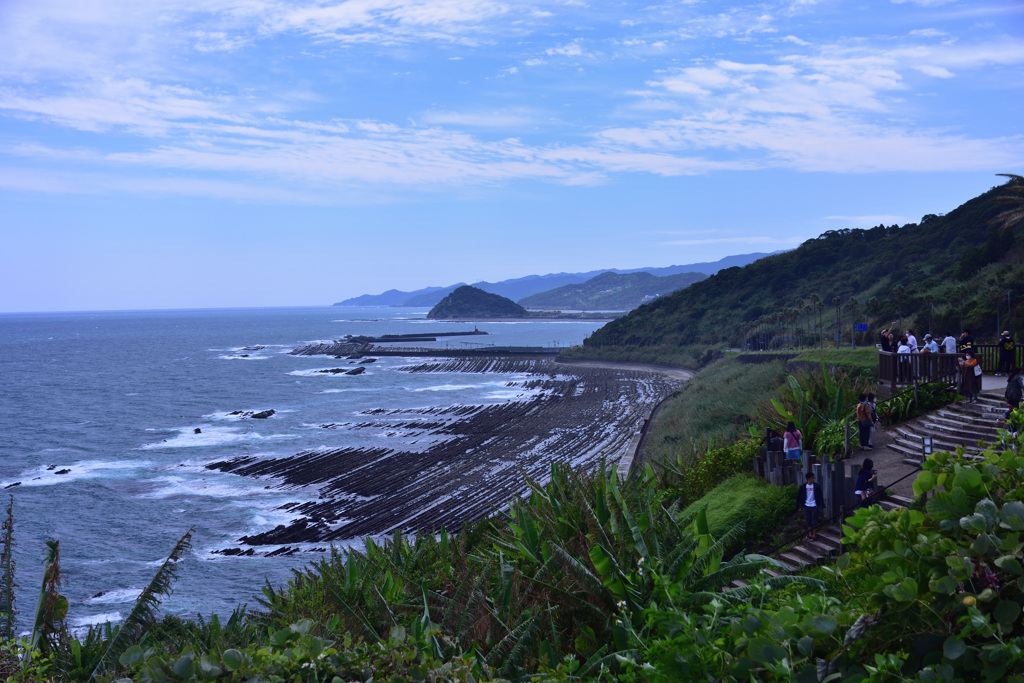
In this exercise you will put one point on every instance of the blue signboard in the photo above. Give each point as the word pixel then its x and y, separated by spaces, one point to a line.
pixel 862 327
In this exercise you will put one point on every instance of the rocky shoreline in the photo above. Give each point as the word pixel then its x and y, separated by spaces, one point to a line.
pixel 459 463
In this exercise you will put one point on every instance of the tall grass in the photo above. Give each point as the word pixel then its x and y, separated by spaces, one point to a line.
pixel 714 407
pixel 690 357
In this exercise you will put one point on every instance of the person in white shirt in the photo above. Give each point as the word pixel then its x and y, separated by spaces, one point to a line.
pixel 911 340
pixel 928 359
pixel 949 344
pixel 903 359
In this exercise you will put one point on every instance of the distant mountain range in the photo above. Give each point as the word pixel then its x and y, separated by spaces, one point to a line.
pixel 611 292
pixel 520 288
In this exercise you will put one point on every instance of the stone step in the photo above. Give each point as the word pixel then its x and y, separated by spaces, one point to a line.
pixel 820 546
pixel 902 500
pixel 948 426
pixel 913 439
pixel 831 536
pixel 795 560
pixel 970 421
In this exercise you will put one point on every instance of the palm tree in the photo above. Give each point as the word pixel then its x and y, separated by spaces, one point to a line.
pixel 898 292
pixel 801 306
pixel 959 290
pixel 819 306
pixel 838 303
pixel 852 305
pixel 1013 197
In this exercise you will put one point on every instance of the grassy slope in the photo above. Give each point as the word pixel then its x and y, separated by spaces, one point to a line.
pixel 717 405
pixel 713 407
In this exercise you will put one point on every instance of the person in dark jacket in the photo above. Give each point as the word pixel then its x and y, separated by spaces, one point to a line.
pixel 1007 353
pixel 865 486
pixel 808 497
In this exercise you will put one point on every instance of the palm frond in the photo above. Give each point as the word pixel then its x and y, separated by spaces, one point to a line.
pixel 8 612
pixel 144 612
pixel 509 651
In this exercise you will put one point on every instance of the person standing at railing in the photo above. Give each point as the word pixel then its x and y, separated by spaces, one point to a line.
pixel 911 340
pixel 928 357
pixel 887 339
pixel 965 342
pixel 970 376
pixel 1007 353
pixel 903 360
pixel 949 343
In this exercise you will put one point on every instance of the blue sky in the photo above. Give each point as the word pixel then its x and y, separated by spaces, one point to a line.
pixel 187 153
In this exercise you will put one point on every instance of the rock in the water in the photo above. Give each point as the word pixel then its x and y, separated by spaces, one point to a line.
pixel 11 486
pixel 263 414
pixel 64 471
pixel 356 371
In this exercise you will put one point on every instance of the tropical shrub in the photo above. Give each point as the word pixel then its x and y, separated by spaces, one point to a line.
pixel 692 479
pixel 746 502
pixel 816 401
pixel 901 408
pixel 950 579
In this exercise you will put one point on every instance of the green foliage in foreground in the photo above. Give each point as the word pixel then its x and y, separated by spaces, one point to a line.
pixel 592 579
pixel 747 502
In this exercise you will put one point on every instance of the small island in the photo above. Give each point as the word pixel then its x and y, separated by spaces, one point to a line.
pixel 472 302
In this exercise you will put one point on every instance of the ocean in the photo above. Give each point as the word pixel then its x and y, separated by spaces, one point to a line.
pixel 109 420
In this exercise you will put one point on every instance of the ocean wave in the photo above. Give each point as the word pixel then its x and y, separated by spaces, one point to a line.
pixel 114 596
pixel 449 387
pixel 169 487
pixel 212 436
pixel 50 475
pixel 321 372
pixel 95 620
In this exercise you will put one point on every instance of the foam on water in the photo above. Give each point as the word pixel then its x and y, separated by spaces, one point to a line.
pixel 319 372
pixel 448 387
pixel 114 596
pixel 212 436
pixel 171 486
pixel 94 620
pixel 45 476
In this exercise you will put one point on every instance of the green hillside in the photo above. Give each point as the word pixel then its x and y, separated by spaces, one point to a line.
pixel 470 302
pixel 611 292
pixel 942 274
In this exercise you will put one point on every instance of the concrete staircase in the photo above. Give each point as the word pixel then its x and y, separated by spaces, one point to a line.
pixel 806 553
pixel 958 424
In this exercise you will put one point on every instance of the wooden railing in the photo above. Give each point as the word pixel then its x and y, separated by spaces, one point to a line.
pixel 902 369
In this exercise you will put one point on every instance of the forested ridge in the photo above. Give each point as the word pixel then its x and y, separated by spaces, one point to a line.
pixel 471 302
pixel 955 268
pixel 611 291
